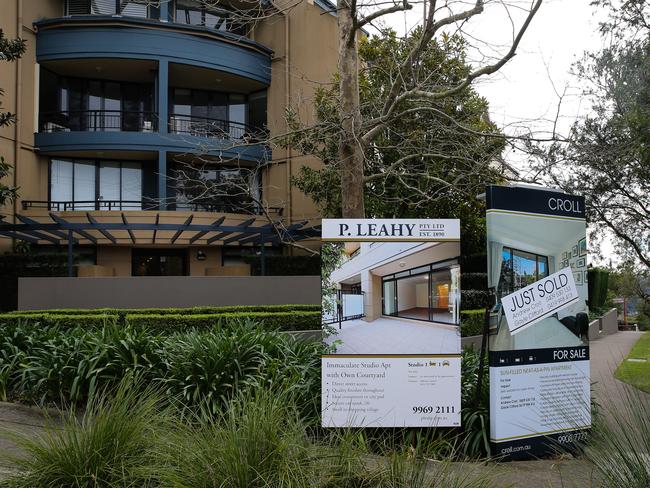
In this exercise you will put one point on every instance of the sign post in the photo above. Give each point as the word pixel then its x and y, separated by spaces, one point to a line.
pixel 394 297
pixel 538 342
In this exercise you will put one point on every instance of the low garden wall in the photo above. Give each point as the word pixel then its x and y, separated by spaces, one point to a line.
pixel 165 291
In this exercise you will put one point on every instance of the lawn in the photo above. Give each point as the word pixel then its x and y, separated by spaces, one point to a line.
pixel 635 373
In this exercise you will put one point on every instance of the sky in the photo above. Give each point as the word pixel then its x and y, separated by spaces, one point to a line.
pixel 527 90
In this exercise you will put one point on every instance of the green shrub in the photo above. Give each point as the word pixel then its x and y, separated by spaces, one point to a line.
pixel 175 311
pixel 473 281
pixel 65 321
pixel 597 283
pixel 286 321
pixel 472 322
pixel 473 299
pixel 110 445
pixel 203 368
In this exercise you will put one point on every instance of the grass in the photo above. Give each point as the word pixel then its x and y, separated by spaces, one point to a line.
pixel 634 373
pixel 126 439
pixel 619 448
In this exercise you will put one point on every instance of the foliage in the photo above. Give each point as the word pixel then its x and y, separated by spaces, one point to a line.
pixel 166 321
pixel 472 322
pixel 108 445
pixel 201 310
pixel 607 154
pixel 432 161
pixel 597 281
pixel 203 369
pixel 475 417
pixel 10 50
pixel 473 299
pixel 261 441
pixel 287 321
pixel 634 373
pixel 619 448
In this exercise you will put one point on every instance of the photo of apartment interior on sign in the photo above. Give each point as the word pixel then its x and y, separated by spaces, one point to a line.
pixel 393 298
pixel 522 249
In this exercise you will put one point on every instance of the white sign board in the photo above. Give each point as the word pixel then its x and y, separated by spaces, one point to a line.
pixel 530 304
pixel 390 229
pixel 391 391
pixel 550 398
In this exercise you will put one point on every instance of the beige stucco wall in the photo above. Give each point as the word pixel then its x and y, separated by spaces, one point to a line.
pixel 116 257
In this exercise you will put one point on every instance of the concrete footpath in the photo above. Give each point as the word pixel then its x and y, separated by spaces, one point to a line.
pixel 606 354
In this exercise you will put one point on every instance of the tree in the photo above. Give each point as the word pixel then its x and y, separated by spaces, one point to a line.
pixel 410 89
pixel 10 50
pixel 431 161
pixel 607 155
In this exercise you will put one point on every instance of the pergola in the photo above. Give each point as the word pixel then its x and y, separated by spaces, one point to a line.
pixel 84 228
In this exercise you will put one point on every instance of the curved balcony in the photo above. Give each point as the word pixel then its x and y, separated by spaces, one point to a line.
pixel 131 38
pixel 106 130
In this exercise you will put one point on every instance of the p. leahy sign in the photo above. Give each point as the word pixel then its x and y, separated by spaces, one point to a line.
pixel 543 298
pixel 391 229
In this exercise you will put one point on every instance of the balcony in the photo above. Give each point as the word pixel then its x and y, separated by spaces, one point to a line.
pixel 217 128
pixel 148 204
pixel 98 120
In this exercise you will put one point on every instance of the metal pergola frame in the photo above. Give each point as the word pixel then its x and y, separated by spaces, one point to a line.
pixel 60 231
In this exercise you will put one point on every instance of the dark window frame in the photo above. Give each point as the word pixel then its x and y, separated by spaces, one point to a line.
pixel 502 278
pixel 97 162
pixel 408 273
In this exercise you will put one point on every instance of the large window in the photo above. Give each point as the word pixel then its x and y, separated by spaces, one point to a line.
pixel 430 293
pixel 217 114
pixel 216 190
pixel 96 185
pixel 128 8
pixel 520 269
pixel 78 104
pixel 208 14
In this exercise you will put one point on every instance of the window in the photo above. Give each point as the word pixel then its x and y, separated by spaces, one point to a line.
pixel 429 293
pixel 198 12
pixel 520 269
pixel 78 104
pixel 215 114
pixel 95 185
pixel 159 262
pixel 128 8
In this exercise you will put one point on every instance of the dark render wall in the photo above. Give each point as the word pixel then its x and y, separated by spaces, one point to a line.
pixel 160 292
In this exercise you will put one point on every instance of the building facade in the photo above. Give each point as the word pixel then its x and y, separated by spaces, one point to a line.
pixel 139 141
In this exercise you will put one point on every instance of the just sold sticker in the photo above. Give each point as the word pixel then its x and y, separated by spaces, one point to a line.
pixel 539 300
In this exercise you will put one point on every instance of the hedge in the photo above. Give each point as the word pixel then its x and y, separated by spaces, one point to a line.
pixel 474 299
pixel 284 321
pixel 473 281
pixel 471 322
pixel 597 284
pixel 122 312
pixel 63 321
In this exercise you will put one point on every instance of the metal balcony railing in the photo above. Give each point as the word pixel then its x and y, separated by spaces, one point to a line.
pixel 218 128
pixel 149 204
pixel 98 121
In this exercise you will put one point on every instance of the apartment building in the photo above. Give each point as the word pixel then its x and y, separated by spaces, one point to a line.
pixel 139 143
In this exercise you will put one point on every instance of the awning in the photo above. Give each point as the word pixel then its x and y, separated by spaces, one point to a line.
pixel 99 228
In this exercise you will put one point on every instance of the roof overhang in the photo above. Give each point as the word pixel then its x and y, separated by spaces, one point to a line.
pixel 155 228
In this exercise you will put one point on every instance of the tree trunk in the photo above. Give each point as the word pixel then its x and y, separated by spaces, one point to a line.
pixel 350 150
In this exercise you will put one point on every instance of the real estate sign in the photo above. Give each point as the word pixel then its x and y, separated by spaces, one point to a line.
pixel 538 344
pixel 391 309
